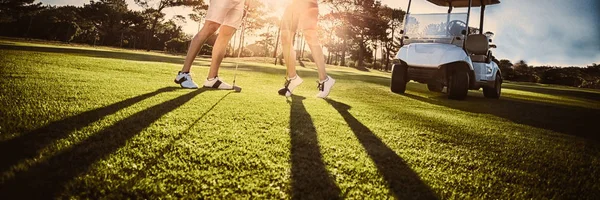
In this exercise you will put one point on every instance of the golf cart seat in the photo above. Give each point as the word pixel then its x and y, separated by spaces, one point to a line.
pixel 478 47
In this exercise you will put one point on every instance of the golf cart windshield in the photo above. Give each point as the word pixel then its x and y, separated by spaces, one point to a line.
pixel 435 28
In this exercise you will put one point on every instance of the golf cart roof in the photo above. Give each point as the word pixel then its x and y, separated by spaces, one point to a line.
pixel 463 3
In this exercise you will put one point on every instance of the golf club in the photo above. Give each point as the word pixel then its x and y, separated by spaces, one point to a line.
pixel 237 63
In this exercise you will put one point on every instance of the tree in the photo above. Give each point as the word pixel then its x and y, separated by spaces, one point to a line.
pixel 395 17
pixel 12 10
pixel 268 38
pixel 362 26
pixel 254 20
pixel 136 26
pixel 524 72
pixel 506 67
pixel 12 14
pixel 328 27
pixel 198 14
pixel 107 17
pixel 155 12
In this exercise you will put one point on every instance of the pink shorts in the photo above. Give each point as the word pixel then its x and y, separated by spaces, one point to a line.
pixel 226 12
pixel 301 14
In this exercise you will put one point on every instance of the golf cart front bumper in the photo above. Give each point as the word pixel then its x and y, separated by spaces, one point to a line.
pixel 424 74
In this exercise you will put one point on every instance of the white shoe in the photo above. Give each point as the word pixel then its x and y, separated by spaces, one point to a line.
pixel 325 87
pixel 290 85
pixel 185 80
pixel 216 83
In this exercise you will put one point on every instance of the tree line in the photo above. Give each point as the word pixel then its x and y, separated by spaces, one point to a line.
pixel 361 34
pixel 583 77
pixel 352 33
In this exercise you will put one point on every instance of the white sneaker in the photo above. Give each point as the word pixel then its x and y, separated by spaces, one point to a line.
pixel 290 85
pixel 325 87
pixel 185 80
pixel 216 83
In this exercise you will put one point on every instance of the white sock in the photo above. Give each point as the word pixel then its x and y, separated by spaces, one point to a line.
pixel 326 79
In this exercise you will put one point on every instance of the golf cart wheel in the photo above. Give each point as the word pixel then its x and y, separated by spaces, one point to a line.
pixel 458 85
pixel 399 79
pixel 435 87
pixel 494 92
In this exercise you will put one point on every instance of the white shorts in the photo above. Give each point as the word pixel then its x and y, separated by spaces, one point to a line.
pixel 226 12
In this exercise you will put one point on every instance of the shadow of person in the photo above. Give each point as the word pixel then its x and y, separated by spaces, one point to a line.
pixel 400 178
pixel 49 177
pixel 29 144
pixel 310 178
pixel 157 156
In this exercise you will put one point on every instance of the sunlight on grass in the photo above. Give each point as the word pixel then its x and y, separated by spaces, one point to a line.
pixel 551 99
pixel 111 123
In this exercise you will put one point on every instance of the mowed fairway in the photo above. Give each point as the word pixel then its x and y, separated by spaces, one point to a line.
pixel 80 122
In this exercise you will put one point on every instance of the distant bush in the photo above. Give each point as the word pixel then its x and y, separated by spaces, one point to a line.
pixel 176 45
pixel 569 76
pixel 377 66
pixel 351 64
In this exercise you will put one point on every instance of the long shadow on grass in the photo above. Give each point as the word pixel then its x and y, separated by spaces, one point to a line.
pixel 401 179
pixel 310 179
pixel 129 187
pixel 29 144
pixel 48 178
pixel 569 120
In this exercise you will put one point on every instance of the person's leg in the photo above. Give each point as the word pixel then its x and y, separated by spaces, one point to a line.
pixel 309 25
pixel 219 49
pixel 325 82
pixel 289 57
pixel 207 30
pixel 183 77
pixel 288 29
pixel 289 26
pixel 232 20
pixel 316 50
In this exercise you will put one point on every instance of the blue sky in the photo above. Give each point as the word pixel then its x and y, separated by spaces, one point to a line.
pixel 541 32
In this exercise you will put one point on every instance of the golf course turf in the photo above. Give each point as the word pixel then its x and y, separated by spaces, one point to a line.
pixel 83 122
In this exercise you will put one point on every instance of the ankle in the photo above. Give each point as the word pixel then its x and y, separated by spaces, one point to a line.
pixel 324 80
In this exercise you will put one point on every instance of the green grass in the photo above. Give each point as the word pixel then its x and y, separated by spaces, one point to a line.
pixel 78 122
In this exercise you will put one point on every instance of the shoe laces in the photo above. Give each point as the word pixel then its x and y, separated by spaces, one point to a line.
pixel 321 86
pixel 287 82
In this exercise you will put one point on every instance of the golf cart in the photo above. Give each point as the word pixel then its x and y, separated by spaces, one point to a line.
pixel 440 50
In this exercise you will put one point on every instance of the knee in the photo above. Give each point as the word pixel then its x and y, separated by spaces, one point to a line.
pixel 312 38
pixel 226 32
pixel 209 28
pixel 286 38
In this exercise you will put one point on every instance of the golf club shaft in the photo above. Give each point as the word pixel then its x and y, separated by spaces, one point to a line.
pixel 237 63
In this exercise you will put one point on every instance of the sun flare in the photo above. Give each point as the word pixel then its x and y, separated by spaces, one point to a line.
pixel 277 6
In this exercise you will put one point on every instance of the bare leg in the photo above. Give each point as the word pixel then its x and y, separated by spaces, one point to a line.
pixel 207 30
pixel 288 52
pixel 218 52
pixel 312 38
